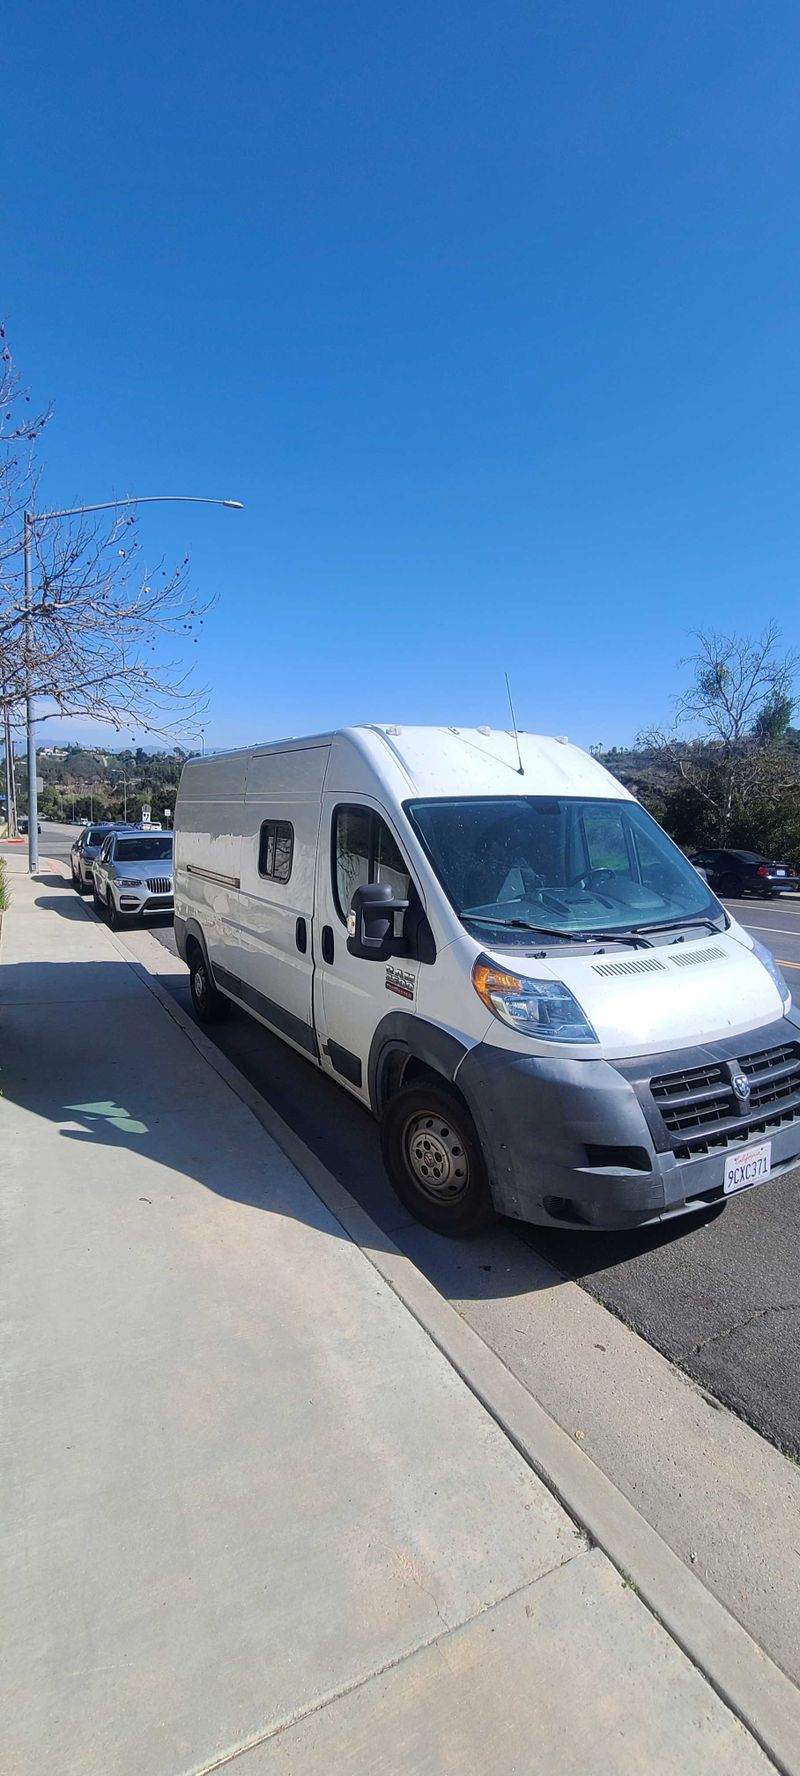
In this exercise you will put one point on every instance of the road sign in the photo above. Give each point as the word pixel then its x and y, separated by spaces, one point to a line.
pixel 146 813
pixel 39 781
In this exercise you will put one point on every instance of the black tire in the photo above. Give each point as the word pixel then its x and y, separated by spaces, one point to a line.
pixel 97 903
pixel 81 886
pixel 114 918
pixel 732 887
pixel 450 1193
pixel 210 1005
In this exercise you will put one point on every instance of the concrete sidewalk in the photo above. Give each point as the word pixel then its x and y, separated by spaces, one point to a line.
pixel 250 1513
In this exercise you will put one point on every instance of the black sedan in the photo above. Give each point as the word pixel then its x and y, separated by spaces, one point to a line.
pixel 734 873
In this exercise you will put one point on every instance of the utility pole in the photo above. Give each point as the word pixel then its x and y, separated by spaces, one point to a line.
pixel 33 801
pixel 7 739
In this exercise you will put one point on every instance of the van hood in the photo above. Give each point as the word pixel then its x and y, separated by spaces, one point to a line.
pixel 650 1001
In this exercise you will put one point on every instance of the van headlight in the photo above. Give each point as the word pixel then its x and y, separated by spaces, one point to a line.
pixel 543 1008
pixel 764 955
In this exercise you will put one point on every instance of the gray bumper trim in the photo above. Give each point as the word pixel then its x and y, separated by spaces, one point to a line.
pixel 540 1119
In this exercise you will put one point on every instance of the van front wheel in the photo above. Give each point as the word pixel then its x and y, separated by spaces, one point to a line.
pixel 211 1006
pixel 433 1157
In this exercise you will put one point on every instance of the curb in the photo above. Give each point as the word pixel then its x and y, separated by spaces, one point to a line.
pixel 761 1696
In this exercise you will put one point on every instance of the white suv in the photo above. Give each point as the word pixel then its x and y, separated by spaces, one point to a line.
pixel 133 875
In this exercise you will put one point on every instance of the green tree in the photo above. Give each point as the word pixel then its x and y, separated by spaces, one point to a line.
pixel 739 703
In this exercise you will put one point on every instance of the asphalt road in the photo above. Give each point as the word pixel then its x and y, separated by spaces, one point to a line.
pixel 719 1296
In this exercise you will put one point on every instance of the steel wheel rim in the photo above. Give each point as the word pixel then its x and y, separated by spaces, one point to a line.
pixel 436 1157
pixel 200 985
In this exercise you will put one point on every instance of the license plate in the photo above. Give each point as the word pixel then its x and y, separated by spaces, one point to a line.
pixel 748 1168
pixel 780 872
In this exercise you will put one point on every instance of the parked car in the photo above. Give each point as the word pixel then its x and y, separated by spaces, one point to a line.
pixel 22 824
pixel 86 848
pixel 505 958
pixel 734 873
pixel 132 875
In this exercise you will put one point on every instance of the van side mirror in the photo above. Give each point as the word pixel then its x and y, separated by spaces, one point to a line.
pixel 370 925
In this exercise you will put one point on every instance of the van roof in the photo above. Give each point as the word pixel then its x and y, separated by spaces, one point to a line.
pixel 455 761
pixel 485 761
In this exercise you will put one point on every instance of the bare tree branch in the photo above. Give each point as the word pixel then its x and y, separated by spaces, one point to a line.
pixel 740 698
pixel 100 637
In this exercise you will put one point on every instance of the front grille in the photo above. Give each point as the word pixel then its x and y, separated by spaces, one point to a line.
pixel 702 1113
pixel 159 884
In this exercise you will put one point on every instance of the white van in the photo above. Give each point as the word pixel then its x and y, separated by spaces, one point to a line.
pixel 504 957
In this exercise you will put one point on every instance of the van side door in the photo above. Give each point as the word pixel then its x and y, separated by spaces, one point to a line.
pixel 357 845
pixel 274 963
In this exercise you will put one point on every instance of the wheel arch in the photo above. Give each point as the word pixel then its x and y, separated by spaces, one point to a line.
pixel 188 934
pixel 405 1048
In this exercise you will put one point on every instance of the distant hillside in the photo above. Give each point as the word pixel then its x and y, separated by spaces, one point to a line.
pixel 81 783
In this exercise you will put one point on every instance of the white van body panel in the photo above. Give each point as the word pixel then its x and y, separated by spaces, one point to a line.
pixel 209 845
pixel 281 786
pixel 422 762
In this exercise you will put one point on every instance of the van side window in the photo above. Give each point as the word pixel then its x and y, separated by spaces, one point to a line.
pixel 364 851
pixel 275 849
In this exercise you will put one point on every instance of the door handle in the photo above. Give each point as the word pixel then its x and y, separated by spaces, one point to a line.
pixel 327 943
pixel 301 936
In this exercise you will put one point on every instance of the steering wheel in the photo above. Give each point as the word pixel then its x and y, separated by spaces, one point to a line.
pixel 590 878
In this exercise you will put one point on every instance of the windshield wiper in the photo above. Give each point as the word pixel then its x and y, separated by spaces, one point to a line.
pixel 522 925
pixel 634 938
pixel 684 925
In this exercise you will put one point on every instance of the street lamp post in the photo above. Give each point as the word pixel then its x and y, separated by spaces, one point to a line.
pixel 29 520
pixel 33 798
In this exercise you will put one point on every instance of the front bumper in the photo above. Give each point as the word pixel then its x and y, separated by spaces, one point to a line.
pixel 584 1143
pixel 135 905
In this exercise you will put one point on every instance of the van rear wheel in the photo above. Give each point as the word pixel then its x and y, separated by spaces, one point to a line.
pixel 211 1006
pixel 434 1160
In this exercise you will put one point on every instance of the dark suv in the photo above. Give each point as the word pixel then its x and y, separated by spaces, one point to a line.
pixel 86 848
pixel 734 873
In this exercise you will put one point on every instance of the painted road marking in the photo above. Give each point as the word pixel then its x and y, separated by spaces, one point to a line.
pixel 777 930
pixel 773 909
pixel 785 963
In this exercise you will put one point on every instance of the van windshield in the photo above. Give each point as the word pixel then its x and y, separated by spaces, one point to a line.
pixel 561 864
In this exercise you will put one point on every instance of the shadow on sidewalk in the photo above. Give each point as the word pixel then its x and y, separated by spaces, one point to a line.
pixel 82 1044
pixel 70 906
pixel 50 879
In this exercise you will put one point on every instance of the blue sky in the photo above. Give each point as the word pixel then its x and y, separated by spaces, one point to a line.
pixel 488 313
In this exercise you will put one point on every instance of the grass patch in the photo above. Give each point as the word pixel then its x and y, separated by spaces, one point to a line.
pixel 4 894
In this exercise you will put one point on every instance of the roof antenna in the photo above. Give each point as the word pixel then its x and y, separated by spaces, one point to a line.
pixel 514 725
